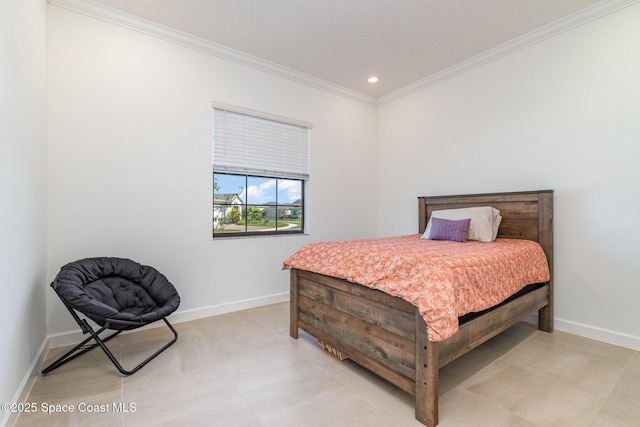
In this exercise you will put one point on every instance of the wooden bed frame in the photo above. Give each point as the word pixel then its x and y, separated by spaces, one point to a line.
pixel 388 336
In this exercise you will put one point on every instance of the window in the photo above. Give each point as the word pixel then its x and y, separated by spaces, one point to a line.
pixel 260 168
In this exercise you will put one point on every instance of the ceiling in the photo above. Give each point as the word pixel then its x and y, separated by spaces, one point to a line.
pixel 346 41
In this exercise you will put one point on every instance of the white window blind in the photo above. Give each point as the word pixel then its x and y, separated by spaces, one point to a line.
pixel 252 145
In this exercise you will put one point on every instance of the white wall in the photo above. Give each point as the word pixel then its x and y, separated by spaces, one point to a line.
pixel 561 115
pixel 128 167
pixel 129 162
pixel 22 189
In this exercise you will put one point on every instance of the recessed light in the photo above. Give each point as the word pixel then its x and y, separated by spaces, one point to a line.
pixel 372 79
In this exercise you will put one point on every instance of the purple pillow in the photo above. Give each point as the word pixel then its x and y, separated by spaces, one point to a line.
pixel 446 229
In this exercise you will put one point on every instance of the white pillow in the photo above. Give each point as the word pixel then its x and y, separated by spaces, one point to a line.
pixel 485 221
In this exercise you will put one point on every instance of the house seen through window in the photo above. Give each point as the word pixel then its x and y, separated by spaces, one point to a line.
pixel 244 203
pixel 260 168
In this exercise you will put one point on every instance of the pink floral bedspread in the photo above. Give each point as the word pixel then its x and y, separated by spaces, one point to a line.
pixel 443 279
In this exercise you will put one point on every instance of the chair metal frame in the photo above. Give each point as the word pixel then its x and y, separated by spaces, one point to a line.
pixel 83 347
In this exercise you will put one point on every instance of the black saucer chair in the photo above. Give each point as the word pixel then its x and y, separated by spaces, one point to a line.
pixel 117 294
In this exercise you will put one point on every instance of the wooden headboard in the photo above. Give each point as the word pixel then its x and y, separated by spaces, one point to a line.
pixel 525 214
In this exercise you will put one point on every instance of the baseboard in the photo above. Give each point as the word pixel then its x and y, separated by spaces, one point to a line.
pixel 592 332
pixel 75 336
pixel 26 384
pixel 598 334
pixel 214 310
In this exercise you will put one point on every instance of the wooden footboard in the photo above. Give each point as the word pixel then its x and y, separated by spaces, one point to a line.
pixel 370 327
pixel 387 335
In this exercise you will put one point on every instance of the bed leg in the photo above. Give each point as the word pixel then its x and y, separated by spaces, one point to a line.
pixel 293 303
pixel 545 314
pixel 545 319
pixel 427 376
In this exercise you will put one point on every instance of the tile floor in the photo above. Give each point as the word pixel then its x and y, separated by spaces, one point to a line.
pixel 243 369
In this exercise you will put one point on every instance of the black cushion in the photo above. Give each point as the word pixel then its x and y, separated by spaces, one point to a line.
pixel 116 288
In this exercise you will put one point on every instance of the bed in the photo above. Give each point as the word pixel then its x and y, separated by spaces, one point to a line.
pixel 389 336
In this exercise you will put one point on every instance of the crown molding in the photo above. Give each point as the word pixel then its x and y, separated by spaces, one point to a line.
pixel 538 35
pixel 132 22
pixel 126 20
